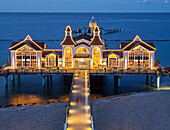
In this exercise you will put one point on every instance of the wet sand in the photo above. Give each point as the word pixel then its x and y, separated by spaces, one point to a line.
pixel 143 111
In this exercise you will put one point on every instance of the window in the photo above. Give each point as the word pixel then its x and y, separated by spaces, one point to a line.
pixel 96 56
pixel 26 57
pixel 51 60
pixel 139 57
pixel 113 61
pixel 68 57
pixel 82 50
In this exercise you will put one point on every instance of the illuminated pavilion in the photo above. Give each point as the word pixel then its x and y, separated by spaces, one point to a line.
pixel 83 51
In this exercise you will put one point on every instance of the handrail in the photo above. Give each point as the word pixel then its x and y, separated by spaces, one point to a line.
pixel 91 117
pixel 67 106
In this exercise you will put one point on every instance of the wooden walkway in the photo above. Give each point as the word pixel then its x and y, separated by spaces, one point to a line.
pixel 79 112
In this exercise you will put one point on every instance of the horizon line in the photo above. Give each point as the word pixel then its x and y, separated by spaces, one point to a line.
pixel 79 12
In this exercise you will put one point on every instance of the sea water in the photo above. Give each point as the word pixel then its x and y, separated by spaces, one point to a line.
pixel 50 27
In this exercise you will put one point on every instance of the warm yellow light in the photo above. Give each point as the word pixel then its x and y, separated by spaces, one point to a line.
pixel 72 111
pixel 164 88
pixel 89 121
pixel 86 107
pixel 75 86
pixel 75 91
pixel 72 103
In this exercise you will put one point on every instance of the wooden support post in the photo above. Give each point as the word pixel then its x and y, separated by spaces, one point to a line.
pixel 151 79
pixel 147 79
pixel 18 78
pixel 6 81
pixel 118 78
pixel 43 81
pixel 47 80
pixel 158 81
pixel 13 78
pixel 51 78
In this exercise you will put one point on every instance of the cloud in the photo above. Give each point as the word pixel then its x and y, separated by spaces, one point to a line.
pixel 166 2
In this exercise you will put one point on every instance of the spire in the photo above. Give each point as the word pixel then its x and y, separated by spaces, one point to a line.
pixel 137 38
pixel 96 31
pixel 28 38
pixel 68 31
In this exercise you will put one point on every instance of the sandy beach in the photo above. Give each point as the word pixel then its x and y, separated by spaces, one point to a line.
pixel 142 111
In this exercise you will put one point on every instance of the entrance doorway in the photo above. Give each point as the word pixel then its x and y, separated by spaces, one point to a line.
pixel 82 63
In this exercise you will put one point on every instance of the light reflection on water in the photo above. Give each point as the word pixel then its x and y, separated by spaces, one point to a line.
pixel 30 90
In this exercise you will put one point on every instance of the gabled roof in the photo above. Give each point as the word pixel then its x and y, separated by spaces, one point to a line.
pixel 137 41
pixel 82 43
pixel 56 52
pixel 68 40
pixel 108 52
pixel 28 41
pixel 96 38
pixel 82 36
pixel 96 41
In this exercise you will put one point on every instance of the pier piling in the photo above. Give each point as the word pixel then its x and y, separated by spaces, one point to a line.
pixel 47 80
pixel 151 80
pixel 117 81
pixel 147 79
pixel 43 81
pixel 51 78
pixel 6 81
pixel 18 78
pixel 158 81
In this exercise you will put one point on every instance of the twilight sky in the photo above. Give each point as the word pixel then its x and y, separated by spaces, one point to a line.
pixel 84 5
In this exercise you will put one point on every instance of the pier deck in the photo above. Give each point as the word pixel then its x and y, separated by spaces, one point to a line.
pixel 79 112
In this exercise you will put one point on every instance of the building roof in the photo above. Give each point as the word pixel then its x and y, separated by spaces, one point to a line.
pixel 82 56
pixel 83 36
pixel 68 40
pixel 96 41
pixel 56 52
pixel 137 41
pixel 108 52
pixel 96 37
pixel 28 41
pixel 83 43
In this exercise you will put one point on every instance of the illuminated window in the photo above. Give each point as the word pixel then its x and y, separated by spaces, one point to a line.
pixel 68 57
pixel 113 61
pixel 82 50
pixel 26 57
pixel 139 57
pixel 52 60
pixel 96 56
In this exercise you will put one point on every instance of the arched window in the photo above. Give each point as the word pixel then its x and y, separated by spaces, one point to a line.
pixel 68 57
pixel 113 61
pixel 82 50
pixel 26 57
pixel 96 56
pixel 52 60
pixel 139 57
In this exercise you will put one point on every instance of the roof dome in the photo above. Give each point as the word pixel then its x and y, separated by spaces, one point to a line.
pixel 92 23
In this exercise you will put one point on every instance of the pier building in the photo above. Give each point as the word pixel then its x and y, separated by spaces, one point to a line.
pixel 83 51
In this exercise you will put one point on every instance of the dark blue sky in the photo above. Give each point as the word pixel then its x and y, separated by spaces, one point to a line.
pixel 84 5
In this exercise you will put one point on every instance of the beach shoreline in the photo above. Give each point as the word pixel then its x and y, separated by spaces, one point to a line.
pixel 147 110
